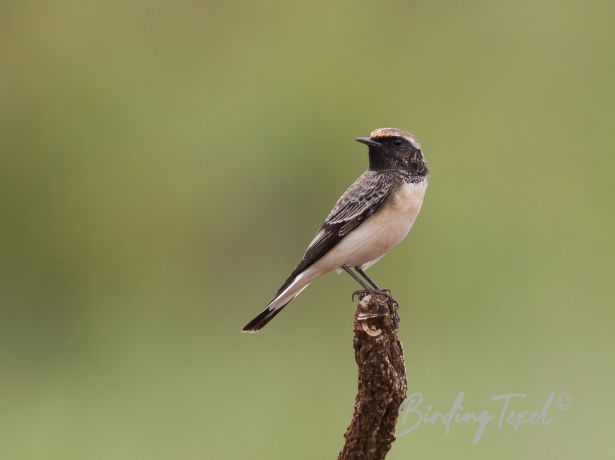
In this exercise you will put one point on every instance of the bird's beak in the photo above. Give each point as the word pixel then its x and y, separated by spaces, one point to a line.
pixel 368 141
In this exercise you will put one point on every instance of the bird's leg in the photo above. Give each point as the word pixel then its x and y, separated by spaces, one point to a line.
pixel 348 270
pixel 369 280
pixel 361 292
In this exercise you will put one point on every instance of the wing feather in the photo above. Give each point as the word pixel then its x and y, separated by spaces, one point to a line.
pixel 358 202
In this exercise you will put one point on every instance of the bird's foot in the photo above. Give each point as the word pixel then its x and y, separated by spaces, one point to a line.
pixel 360 293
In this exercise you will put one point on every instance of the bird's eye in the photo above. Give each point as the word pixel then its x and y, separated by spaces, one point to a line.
pixel 397 142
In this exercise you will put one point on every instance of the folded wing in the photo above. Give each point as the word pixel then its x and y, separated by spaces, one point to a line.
pixel 360 201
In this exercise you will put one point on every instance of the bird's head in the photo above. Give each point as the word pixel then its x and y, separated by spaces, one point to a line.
pixel 392 148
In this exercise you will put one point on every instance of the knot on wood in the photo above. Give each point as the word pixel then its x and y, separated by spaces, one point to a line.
pixel 376 311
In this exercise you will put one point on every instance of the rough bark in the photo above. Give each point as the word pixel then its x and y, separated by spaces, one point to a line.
pixel 382 378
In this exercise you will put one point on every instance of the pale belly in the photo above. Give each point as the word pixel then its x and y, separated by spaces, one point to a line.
pixel 380 233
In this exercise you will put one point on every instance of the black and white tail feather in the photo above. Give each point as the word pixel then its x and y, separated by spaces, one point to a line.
pixel 291 288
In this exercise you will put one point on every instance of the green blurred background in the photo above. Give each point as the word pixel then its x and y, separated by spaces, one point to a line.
pixel 164 164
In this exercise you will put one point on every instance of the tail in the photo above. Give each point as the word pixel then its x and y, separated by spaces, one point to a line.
pixel 289 290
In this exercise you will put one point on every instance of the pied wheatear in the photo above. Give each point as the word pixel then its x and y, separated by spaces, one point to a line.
pixel 370 218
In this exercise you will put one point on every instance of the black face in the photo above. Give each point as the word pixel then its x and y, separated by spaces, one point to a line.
pixel 395 153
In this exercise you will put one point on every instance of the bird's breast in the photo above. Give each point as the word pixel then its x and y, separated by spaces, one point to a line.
pixel 408 198
pixel 399 213
pixel 381 231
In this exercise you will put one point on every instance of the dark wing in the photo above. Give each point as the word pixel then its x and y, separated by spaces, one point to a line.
pixel 360 201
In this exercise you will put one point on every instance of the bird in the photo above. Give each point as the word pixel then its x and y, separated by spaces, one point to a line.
pixel 370 218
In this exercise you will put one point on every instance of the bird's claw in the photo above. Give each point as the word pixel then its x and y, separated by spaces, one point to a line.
pixel 360 293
